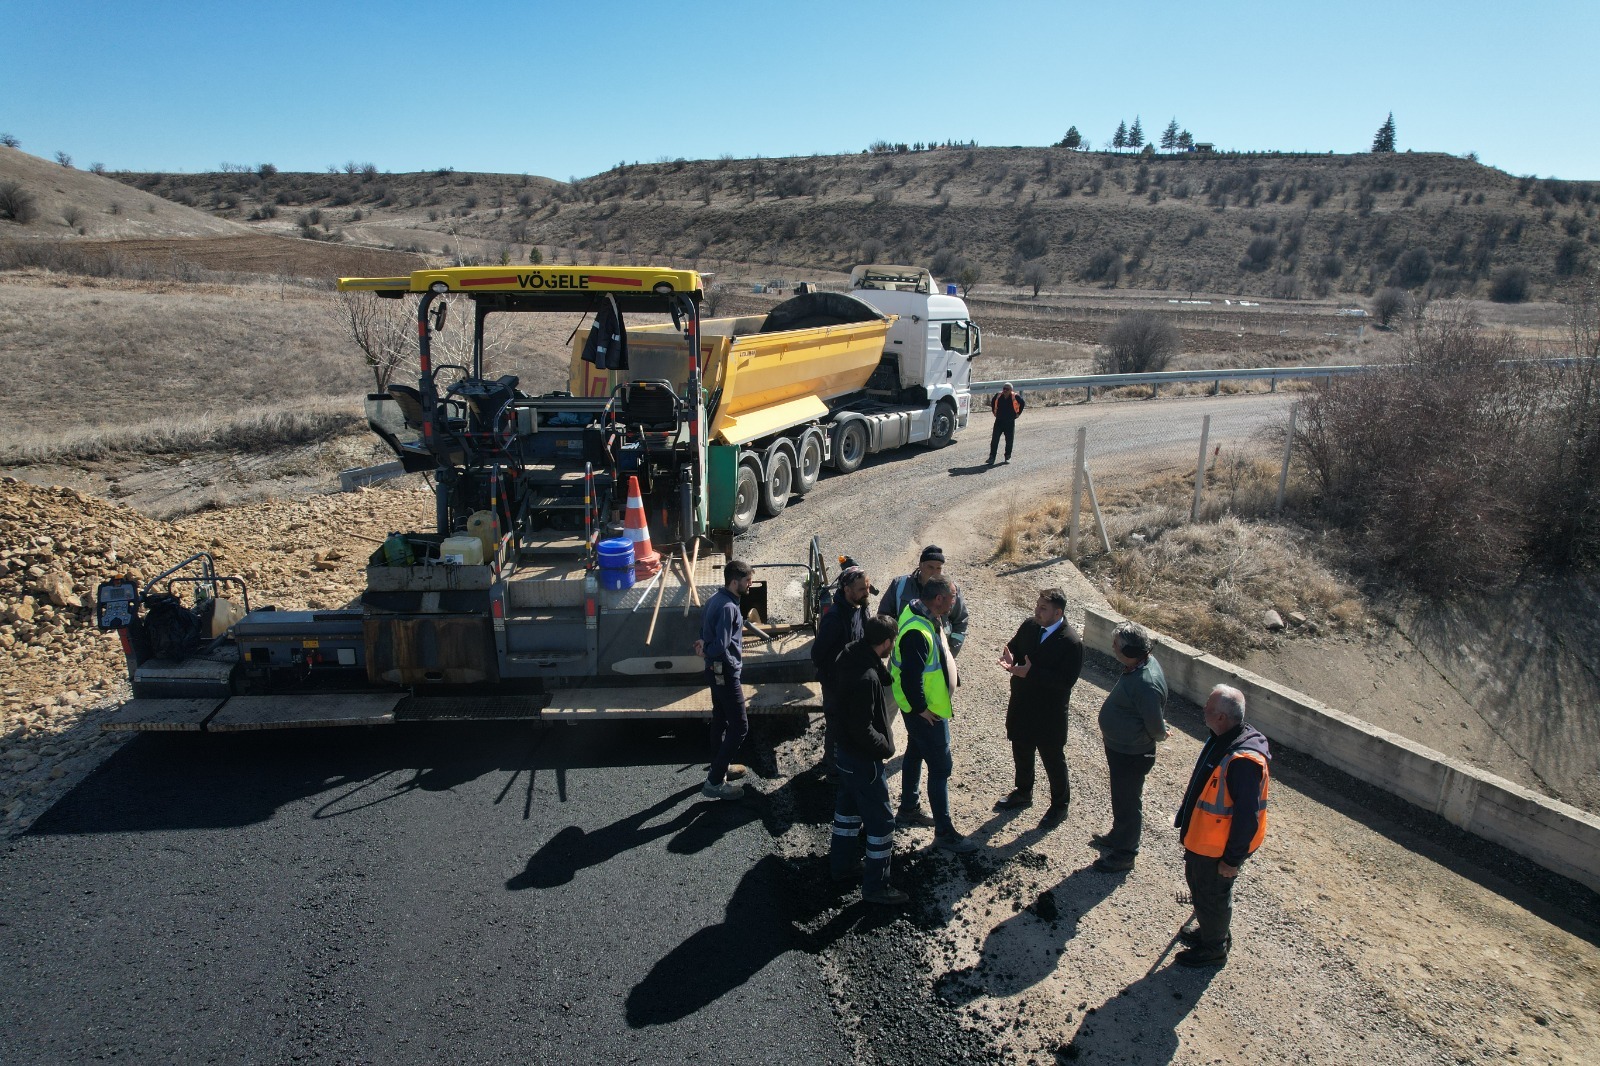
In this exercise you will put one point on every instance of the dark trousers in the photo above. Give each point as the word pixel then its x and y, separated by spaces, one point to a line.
pixel 730 723
pixel 1008 430
pixel 1127 802
pixel 927 742
pixel 1213 899
pixel 1054 757
pixel 861 805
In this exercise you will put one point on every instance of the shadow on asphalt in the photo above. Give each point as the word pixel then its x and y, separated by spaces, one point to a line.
pixel 1011 960
pixel 166 781
pixel 1140 1023
pixel 772 900
pixel 964 471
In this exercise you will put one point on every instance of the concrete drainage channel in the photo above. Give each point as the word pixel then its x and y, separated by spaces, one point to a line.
pixel 1559 837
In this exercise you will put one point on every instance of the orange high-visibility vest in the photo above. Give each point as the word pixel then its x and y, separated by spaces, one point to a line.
pixel 1016 408
pixel 1212 817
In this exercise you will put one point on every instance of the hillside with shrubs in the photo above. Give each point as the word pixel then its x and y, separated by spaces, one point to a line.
pixel 1278 225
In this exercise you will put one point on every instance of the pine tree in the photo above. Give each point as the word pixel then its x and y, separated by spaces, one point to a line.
pixel 1119 139
pixel 1169 136
pixel 1136 135
pixel 1073 139
pixel 1186 141
pixel 1384 140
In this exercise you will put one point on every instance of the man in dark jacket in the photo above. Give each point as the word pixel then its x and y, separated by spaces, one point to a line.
pixel 1131 725
pixel 721 644
pixel 1222 820
pixel 842 622
pixel 1006 406
pixel 1044 660
pixel 861 725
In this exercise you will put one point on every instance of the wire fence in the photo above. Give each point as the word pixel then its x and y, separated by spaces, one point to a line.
pixel 1168 468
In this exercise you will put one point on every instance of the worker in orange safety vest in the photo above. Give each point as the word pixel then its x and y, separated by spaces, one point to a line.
pixel 1222 821
pixel 1006 406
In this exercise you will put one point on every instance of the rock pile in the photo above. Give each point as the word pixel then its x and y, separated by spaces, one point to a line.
pixel 59 674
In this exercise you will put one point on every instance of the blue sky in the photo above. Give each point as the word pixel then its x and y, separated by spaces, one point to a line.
pixel 566 90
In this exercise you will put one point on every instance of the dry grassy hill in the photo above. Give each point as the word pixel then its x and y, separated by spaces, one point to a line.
pixel 1289 226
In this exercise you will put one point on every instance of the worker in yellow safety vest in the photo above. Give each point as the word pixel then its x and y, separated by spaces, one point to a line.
pixel 1222 821
pixel 923 671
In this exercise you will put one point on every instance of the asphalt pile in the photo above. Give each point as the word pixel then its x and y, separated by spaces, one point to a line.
pixel 60 676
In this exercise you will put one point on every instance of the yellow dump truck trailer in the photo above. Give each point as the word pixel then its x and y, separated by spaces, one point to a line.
pixel 822 379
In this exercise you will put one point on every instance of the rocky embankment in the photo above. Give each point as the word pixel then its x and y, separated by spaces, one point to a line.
pixel 60 676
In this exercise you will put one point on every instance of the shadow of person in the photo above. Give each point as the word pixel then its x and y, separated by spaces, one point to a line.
pixel 572 849
pixel 1140 1023
pixel 1026 948
pixel 763 920
pixel 963 471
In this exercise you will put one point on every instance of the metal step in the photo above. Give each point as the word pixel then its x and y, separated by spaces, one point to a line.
pixel 569 544
pixel 469 708
pixel 246 713
pixel 161 716
pixel 551 583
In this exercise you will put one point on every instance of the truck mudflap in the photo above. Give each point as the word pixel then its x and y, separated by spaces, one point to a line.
pixel 302 711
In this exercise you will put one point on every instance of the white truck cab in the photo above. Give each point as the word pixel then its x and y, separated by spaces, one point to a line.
pixel 929 351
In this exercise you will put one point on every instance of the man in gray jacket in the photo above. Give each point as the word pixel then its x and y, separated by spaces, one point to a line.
pixel 902 590
pixel 1131 725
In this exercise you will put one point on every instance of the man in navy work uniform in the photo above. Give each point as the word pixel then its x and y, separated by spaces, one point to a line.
pixel 1222 821
pixel 721 645
pixel 913 586
pixel 861 723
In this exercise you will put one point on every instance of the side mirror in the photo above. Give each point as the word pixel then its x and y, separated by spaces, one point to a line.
pixel 439 311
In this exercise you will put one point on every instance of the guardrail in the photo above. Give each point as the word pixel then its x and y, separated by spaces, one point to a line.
pixel 1270 374
pixel 1090 382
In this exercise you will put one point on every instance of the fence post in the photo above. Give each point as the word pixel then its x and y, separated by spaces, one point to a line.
pixel 1288 447
pixel 1200 470
pixel 1077 491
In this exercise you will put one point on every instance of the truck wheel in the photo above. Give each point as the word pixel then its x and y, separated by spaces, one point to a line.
pixel 944 424
pixel 808 466
pixel 747 496
pixel 850 447
pixel 779 482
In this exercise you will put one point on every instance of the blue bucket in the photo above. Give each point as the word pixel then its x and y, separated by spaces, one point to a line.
pixel 616 563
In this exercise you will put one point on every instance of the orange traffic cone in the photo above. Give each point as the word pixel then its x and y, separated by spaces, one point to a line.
pixel 646 562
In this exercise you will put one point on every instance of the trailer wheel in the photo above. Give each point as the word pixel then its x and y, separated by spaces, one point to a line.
pixel 849 446
pixel 747 496
pixel 944 424
pixel 808 464
pixel 779 482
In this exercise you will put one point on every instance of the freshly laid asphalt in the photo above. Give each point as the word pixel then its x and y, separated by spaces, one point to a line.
pixel 417 893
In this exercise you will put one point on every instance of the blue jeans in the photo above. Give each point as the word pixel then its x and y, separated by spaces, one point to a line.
pixel 861 802
pixel 730 722
pixel 927 742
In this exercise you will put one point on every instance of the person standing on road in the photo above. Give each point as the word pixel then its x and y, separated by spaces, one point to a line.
pixel 721 644
pixel 913 586
pixel 1131 725
pixel 1006 405
pixel 862 727
pixel 1044 660
pixel 841 623
pixel 1222 821
pixel 923 671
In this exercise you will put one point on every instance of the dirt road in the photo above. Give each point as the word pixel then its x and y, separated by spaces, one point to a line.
pixel 1362 934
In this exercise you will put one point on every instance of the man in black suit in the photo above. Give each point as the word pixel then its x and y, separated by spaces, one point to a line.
pixel 1044 660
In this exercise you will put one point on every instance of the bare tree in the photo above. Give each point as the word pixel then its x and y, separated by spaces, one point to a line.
pixel 1034 275
pixel 64 159
pixel 17 204
pixel 1389 304
pixel 970 275
pixel 1140 343
pixel 9 141
pixel 380 331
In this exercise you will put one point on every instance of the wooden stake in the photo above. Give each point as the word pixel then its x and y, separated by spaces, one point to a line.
pixel 661 594
pixel 1099 519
